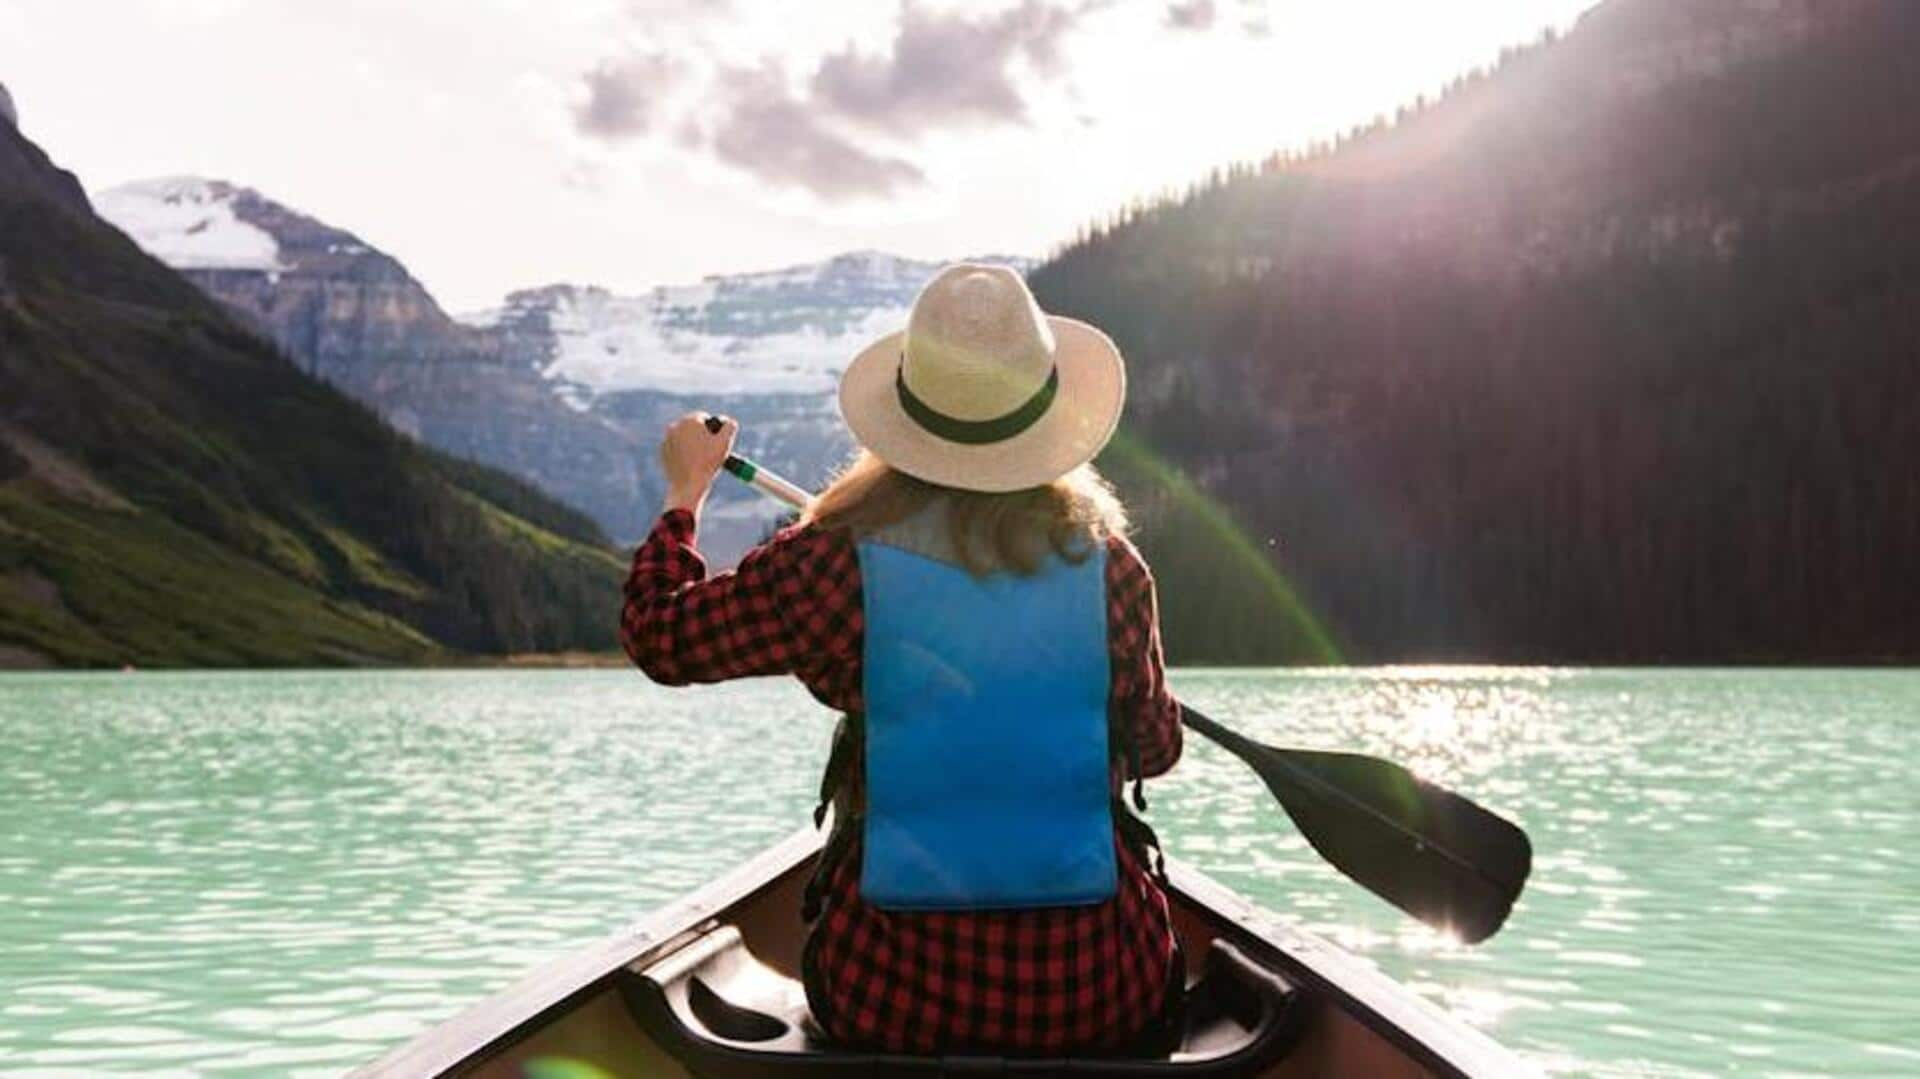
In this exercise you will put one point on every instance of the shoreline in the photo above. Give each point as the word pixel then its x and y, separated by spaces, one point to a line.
pixel 586 661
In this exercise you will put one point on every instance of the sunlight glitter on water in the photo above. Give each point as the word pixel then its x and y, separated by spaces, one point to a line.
pixel 290 872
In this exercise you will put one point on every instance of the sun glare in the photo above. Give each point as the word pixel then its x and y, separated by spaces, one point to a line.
pixel 1436 721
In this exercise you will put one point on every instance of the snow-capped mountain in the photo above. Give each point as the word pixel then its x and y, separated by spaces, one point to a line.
pixel 766 347
pixel 352 315
pixel 565 385
pixel 787 331
pixel 191 224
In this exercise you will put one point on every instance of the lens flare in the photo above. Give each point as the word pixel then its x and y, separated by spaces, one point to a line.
pixel 1292 617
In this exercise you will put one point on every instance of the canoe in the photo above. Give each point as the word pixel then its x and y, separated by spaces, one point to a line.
pixel 708 987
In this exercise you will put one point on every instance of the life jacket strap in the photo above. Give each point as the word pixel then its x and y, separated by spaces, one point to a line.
pixel 836 793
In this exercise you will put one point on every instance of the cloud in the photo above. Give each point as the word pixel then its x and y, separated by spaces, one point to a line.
pixel 1192 14
pixel 835 127
pixel 945 69
pixel 623 96
pixel 770 133
pixel 1255 21
pixel 1201 16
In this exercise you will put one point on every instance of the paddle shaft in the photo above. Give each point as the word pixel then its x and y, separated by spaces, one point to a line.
pixel 767 483
pixel 1435 854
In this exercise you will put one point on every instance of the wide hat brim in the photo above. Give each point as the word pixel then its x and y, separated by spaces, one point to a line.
pixel 1079 421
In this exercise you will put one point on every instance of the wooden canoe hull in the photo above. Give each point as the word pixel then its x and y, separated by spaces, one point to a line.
pixel 1363 1024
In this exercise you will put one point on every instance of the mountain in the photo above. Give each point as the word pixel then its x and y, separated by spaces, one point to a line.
pixel 565 386
pixel 1608 355
pixel 354 317
pixel 174 492
pixel 765 347
pixel 786 331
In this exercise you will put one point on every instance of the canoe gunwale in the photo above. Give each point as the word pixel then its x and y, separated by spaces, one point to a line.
pixel 1439 1043
pixel 489 1027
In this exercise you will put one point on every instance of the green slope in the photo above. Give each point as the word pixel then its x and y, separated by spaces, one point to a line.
pixel 174 492
pixel 1608 356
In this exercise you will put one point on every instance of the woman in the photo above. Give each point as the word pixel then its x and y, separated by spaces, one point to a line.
pixel 966 595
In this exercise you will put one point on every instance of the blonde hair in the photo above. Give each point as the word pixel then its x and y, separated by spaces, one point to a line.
pixel 988 531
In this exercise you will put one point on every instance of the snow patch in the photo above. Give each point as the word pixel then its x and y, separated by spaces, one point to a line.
pixel 189 224
pixel 610 344
pixel 786 331
pixel 485 319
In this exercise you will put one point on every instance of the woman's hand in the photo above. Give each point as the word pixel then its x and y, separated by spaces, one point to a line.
pixel 691 455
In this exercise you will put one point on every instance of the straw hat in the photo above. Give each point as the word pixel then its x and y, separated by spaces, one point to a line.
pixel 982 390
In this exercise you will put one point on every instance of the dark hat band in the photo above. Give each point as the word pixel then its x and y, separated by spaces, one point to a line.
pixel 975 432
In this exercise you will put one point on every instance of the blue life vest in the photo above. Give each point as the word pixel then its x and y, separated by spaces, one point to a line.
pixel 987 767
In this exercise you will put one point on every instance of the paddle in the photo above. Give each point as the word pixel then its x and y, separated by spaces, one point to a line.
pixel 1433 853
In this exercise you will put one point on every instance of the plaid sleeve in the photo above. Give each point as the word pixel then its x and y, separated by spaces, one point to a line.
pixel 1139 672
pixel 792 604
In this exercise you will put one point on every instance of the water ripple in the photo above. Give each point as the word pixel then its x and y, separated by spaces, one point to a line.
pixel 287 873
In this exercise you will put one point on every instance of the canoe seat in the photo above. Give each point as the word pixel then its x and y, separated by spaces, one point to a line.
pixel 723 1014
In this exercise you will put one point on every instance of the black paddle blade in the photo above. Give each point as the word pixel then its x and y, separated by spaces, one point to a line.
pixel 1432 853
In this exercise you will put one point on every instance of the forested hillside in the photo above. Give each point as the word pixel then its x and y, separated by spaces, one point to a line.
pixel 173 491
pixel 1612 354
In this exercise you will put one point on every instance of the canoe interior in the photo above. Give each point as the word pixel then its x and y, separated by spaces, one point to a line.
pixel 592 1026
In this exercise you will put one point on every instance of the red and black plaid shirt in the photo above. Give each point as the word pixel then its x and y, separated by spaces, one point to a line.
pixel 1047 981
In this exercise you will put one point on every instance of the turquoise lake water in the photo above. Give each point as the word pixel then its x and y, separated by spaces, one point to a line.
pixel 288 873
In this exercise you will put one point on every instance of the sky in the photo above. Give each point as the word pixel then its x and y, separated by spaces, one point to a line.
pixel 500 144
